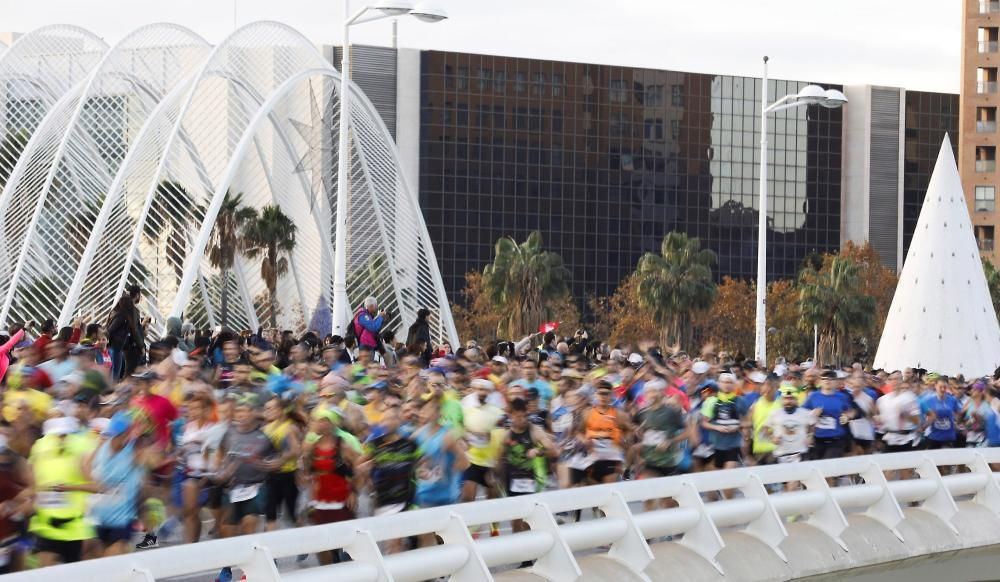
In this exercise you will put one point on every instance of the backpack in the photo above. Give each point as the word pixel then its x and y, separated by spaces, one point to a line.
pixel 353 331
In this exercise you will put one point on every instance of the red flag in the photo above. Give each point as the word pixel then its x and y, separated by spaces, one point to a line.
pixel 548 326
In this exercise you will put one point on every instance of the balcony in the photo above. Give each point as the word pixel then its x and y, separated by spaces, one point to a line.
pixel 986 87
pixel 989 6
pixel 987 46
pixel 986 165
pixel 986 127
pixel 985 245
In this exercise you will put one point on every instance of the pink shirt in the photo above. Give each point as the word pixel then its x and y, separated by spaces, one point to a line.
pixel 5 351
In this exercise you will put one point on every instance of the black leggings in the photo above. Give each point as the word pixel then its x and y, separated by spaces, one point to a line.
pixel 281 487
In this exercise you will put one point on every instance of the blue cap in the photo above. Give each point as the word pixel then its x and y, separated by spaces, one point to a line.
pixel 120 423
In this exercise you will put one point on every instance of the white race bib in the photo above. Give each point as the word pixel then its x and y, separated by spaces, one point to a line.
pixel 244 492
pixel 792 458
pixel 826 423
pixel 52 500
pixel 942 424
pixel 523 486
pixel 477 440
pixel 653 438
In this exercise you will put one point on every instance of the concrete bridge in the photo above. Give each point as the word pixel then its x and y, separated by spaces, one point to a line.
pixel 940 520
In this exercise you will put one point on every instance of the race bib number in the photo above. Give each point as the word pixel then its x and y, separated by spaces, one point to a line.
pixel 605 450
pixel 826 423
pixel 244 492
pixel 523 486
pixel 562 424
pixel 477 440
pixel 942 424
pixel 52 500
pixel 793 458
pixel 431 473
pixel 653 438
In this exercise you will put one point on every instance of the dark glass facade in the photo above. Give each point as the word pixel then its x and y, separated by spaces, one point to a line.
pixel 929 116
pixel 606 160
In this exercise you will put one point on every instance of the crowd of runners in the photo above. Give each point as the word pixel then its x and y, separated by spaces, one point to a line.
pixel 112 443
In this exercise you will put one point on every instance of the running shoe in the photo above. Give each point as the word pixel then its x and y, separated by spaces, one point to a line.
pixel 147 542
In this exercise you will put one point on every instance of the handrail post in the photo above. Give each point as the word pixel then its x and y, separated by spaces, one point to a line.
pixel 260 567
pixel 558 564
pixel 631 550
pixel 829 518
pixel 704 538
pixel 886 510
pixel 941 503
pixel 767 527
pixel 364 548
pixel 988 496
pixel 457 533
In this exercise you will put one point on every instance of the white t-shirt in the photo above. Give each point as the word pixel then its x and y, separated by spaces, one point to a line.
pixel 790 432
pixel 894 410
pixel 194 446
pixel 862 428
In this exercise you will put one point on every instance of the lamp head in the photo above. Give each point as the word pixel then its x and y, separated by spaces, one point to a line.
pixel 811 95
pixel 834 99
pixel 428 12
pixel 394 7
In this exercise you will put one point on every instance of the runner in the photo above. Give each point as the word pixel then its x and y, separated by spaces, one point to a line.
pixel 724 416
pixel 940 411
pixel 604 431
pixel 524 451
pixel 833 409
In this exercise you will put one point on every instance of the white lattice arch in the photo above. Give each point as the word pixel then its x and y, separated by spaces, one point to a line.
pixel 255 115
pixel 82 141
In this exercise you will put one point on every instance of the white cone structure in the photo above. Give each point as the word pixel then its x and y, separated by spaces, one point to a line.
pixel 942 318
pixel 128 154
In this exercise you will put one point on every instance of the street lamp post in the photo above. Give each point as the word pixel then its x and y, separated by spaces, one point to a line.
pixel 387 9
pixel 809 95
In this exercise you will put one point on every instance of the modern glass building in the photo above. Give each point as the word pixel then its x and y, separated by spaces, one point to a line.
pixel 605 160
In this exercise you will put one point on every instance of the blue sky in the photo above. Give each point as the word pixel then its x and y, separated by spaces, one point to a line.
pixel 914 44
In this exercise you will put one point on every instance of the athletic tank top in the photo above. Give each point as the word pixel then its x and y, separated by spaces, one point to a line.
pixel 603 425
pixel 330 475
pixel 277 431
pixel 762 410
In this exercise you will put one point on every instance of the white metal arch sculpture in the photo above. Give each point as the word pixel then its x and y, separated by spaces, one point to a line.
pixel 83 142
pixel 256 116
pixel 35 72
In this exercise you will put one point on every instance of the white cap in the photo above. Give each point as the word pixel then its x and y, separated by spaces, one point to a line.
pixel 482 383
pixel 61 425
pixel 780 370
pixel 700 367
pixel 617 354
pixel 807 364
pixel 758 377
pixel 655 384
pixel 634 359
pixel 841 374
pixel 727 376
pixel 179 357
pixel 500 359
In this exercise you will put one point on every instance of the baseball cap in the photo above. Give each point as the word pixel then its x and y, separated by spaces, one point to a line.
pixel 789 390
pixel 634 359
pixel 500 360
pixel 118 424
pixel 179 357
pixel 148 375
pixel 327 413
pixel 81 350
pixel 700 367
pixel 829 375
pixel 617 354
pixel 807 364
pixel 758 377
pixel 571 373
pixel 482 383
pixel 62 425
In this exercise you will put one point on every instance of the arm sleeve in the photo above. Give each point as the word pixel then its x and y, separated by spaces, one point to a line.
pixel 13 341
pixel 371 324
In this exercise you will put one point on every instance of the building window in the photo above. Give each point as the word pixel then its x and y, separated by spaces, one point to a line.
pixel 557 85
pixel 462 118
pixel 653 129
pixel 675 128
pixel 617 91
pixel 535 119
pixel 537 83
pixel 677 95
pixel 989 6
pixel 557 120
pixel 499 118
pixel 500 82
pixel 984 237
pixel 463 78
pixel 520 118
pixel 485 79
pixel 616 124
pixel 447 113
pixel 986 119
pixel 986 197
pixel 519 81
pixel 987 39
pixel 986 158
pixel 986 80
pixel 653 95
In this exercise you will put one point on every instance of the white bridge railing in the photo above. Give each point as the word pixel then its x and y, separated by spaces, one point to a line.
pixel 622 532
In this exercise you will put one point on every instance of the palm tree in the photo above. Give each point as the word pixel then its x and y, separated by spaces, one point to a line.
pixel 675 284
pixel 833 300
pixel 11 147
pixel 227 238
pixel 271 236
pixel 992 283
pixel 521 282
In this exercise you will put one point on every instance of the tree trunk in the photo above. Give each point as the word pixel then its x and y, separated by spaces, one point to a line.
pixel 225 298
pixel 274 307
